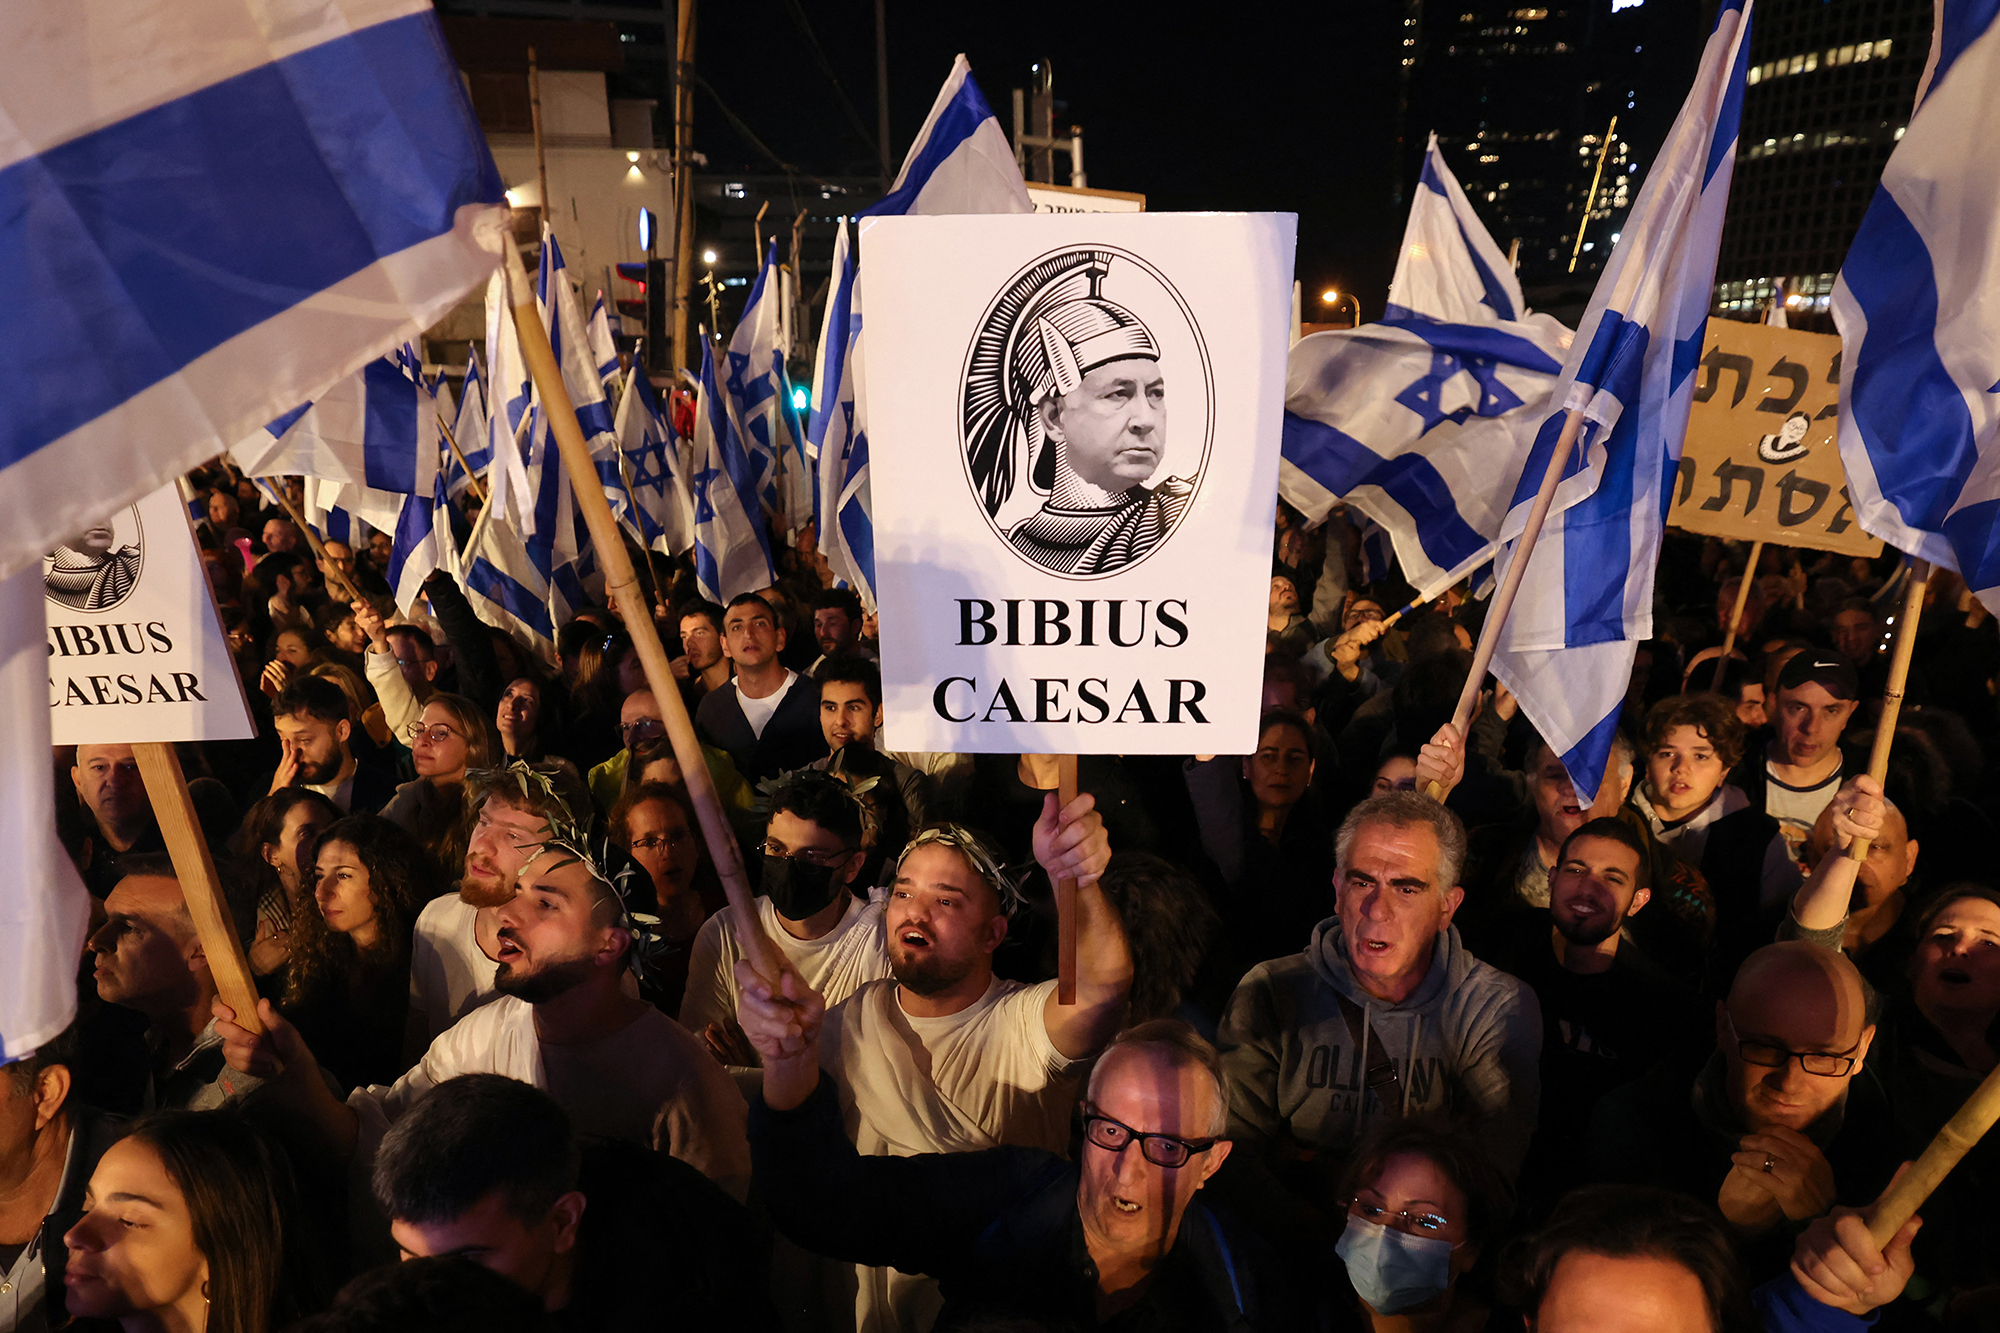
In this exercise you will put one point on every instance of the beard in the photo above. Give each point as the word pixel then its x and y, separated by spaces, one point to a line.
pixel 481 892
pixel 544 983
pixel 1596 932
pixel 928 975
pixel 318 775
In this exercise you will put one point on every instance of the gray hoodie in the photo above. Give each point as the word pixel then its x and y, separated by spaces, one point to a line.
pixel 1466 1043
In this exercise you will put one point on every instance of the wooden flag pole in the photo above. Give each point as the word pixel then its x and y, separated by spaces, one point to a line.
pixel 166 788
pixel 1736 614
pixel 535 123
pixel 1517 567
pixel 1901 1200
pixel 312 538
pixel 478 486
pixel 1057 772
pixel 621 581
pixel 1892 693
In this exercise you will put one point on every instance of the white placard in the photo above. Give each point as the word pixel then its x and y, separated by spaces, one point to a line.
pixel 1073 436
pixel 136 651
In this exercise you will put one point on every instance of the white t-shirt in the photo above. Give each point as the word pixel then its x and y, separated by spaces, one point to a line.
pixel 1797 809
pixel 836 964
pixel 992 1063
pixel 757 712
pixel 651 1081
pixel 449 976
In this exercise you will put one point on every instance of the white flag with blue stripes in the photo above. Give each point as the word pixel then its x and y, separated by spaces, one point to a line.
pixel 665 518
pixel 470 430
pixel 1424 421
pixel 215 210
pixel 603 345
pixel 753 377
pixel 1918 307
pixel 732 553
pixel 1586 600
pixel 570 338
pixel 961 162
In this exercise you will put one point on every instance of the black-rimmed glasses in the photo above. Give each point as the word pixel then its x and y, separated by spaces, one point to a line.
pixel 1159 1149
pixel 1769 1055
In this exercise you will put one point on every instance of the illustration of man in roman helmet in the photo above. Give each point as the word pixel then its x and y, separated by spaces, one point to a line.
pixel 85 573
pixel 1069 384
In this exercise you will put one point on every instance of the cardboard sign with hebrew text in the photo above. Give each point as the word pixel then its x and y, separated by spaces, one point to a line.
pixel 1760 462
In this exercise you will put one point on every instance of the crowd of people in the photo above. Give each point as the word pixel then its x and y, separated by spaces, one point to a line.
pixel 1339 1055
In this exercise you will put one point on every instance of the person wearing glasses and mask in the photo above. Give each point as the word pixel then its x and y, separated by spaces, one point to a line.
pixel 1777 1126
pixel 812 855
pixel 1115 1236
pixel 1424 1208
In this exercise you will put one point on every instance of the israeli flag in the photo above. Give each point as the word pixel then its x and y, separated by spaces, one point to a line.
pixel 1918 308
pixel 846 530
pixel 215 210
pixel 470 431
pixel 421 541
pixel 509 393
pixel 665 518
pixel 961 162
pixel 506 589
pixel 1423 421
pixel 571 341
pixel 1586 601
pixel 754 379
pixel 603 345
pixel 732 553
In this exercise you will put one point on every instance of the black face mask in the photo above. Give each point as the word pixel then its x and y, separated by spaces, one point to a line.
pixel 797 889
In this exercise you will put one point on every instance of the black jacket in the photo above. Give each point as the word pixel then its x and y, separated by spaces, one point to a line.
pixel 792 738
pixel 998 1229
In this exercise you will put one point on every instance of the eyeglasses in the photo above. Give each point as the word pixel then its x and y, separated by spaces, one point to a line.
pixel 1769 1056
pixel 436 735
pixel 1416 1224
pixel 1159 1149
pixel 807 855
pixel 644 729
pixel 654 841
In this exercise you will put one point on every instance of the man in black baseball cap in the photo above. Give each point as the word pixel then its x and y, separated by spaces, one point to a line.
pixel 1817 692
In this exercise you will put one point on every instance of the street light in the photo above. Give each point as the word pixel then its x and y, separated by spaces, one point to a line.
pixel 1331 298
pixel 708 256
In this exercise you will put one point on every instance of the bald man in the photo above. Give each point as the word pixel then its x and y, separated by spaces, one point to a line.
pixel 1776 1126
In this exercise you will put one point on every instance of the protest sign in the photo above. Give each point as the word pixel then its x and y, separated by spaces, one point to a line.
pixel 136 651
pixel 1760 462
pixel 1074 427
pixel 1078 199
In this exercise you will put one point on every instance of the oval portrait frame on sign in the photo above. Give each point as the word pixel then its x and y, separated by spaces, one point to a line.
pixel 1087 411
pixel 97 569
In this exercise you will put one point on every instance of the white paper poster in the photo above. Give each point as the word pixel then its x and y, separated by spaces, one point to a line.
pixel 136 651
pixel 1073 431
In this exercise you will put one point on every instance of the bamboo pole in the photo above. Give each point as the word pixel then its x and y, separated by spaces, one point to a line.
pixel 194 866
pixel 541 157
pixel 1901 1200
pixel 622 583
pixel 312 538
pixel 683 176
pixel 1736 613
pixel 478 486
pixel 1892 694
pixel 1517 567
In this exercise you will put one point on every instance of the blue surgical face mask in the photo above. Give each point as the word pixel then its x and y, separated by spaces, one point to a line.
pixel 1392 1270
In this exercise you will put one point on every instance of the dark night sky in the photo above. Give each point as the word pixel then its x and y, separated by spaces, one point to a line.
pixel 1261 107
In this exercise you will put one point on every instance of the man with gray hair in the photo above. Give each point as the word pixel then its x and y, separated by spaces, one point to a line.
pixel 1384 1015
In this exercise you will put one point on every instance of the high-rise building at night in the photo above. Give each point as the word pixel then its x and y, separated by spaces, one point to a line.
pixel 1831 85
pixel 1522 97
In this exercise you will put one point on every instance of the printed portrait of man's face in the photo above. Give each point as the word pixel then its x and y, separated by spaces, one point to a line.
pixel 1113 425
pixel 1794 428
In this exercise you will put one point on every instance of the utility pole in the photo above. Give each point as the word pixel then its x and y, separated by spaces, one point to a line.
pixel 1035 141
pixel 882 90
pixel 683 176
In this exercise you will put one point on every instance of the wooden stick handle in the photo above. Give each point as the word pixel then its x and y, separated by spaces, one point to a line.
pixel 166 788
pixel 1892 694
pixel 1065 895
pixel 1517 568
pixel 622 583
pixel 1901 1200
pixel 312 538
pixel 478 486
pixel 1736 613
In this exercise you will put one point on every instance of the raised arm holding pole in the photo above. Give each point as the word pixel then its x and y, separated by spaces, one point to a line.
pixel 621 582
pixel 1892 693
pixel 312 539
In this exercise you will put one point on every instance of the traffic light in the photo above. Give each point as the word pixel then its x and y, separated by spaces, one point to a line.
pixel 647 307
